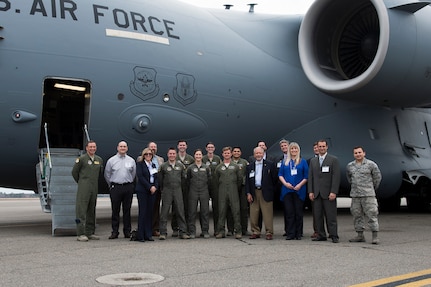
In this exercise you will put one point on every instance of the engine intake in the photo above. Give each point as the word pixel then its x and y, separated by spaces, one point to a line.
pixel 369 52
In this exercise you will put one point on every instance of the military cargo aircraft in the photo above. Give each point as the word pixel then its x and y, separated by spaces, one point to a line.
pixel 351 72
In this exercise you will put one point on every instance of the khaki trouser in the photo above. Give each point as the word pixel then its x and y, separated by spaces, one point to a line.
pixel 267 213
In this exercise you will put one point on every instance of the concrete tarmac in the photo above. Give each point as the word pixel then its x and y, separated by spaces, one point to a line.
pixel 30 256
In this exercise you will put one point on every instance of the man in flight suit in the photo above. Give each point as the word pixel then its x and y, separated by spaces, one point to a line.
pixel 229 178
pixel 186 160
pixel 86 172
pixel 243 204
pixel 212 160
pixel 171 179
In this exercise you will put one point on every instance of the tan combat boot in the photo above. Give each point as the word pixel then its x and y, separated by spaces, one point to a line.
pixel 375 239
pixel 359 238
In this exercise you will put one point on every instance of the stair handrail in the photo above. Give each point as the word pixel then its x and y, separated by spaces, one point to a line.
pixel 86 132
pixel 47 145
pixel 45 180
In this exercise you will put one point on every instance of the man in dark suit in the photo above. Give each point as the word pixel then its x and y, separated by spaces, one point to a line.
pixel 261 177
pixel 308 203
pixel 323 185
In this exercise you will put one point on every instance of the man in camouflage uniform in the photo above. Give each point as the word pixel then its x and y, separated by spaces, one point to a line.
pixel 86 173
pixel 364 176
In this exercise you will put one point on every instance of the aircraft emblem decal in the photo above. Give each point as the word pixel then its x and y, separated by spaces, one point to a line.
pixel 144 84
pixel 184 91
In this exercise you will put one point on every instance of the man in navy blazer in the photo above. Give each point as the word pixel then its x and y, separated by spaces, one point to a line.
pixel 261 177
pixel 323 184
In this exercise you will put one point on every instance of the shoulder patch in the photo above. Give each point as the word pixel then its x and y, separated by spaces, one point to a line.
pixel 77 160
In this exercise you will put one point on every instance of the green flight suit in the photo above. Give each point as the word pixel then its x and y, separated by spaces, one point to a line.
pixel 229 181
pixel 243 203
pixel 213 188
pixel 188 160
pixel 171 180
pixel 86 172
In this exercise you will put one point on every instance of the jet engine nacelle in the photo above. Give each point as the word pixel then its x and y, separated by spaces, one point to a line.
pixel 369 51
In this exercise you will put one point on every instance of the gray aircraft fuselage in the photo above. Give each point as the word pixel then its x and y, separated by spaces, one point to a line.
pixel 163 71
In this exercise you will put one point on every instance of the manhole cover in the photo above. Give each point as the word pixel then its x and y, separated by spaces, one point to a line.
pixel 129 279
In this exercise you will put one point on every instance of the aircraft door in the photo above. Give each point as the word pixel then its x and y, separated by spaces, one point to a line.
pixel 65 111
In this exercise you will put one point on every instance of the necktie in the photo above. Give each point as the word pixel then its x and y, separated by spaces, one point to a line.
pixel 320 160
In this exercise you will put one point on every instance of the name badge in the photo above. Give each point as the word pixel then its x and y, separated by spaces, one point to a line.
pixel 251 174
pixel 278 164
pixel 325 168
pixel 153 171
pixel 293 171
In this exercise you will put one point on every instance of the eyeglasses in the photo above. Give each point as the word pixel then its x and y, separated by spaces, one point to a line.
pixel 148 154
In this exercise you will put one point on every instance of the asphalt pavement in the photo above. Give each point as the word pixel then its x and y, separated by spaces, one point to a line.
pixel 30 256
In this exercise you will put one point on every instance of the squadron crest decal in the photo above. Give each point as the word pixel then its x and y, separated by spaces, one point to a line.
pixel 185 91
pixel 144 84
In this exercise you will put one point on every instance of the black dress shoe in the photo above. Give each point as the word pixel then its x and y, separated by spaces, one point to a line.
pixel 149 239
pixel 319 239
pixel 335 239
pixel 113 236
pixel 290 238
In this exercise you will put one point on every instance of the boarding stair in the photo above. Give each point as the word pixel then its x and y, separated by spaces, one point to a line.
pixel 57 189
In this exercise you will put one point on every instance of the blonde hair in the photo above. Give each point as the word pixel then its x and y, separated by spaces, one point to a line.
pixel 146 150
pixel 298 157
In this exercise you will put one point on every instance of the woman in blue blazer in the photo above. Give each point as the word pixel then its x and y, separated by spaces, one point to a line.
pixel 146 187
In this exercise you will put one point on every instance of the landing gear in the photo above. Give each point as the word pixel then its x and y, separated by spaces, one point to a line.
pixel 390 204
pixel 416 204
pixel 420 199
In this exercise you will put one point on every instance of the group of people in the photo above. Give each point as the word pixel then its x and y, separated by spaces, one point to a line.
pixel 239 190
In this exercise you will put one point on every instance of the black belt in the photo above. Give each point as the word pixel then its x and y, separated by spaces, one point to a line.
pixel 258 187
pixel 126 183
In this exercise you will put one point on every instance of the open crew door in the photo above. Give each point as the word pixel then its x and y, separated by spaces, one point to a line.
pixel 66 106
pixel 65 111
